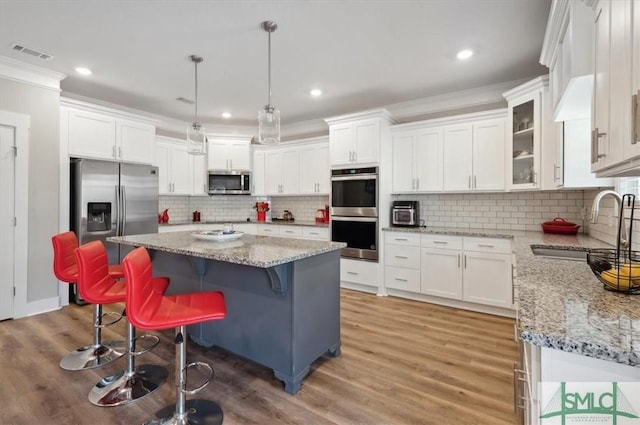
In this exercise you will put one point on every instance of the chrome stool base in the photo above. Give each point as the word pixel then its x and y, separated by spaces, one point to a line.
pixel 92 356
pixel 122 388
pixel 197 412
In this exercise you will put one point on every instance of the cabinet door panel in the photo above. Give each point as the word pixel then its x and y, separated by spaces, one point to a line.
pixel 457 157
pixel 181 170
pixel 291 173
pixel 240 155
pixel 340 144
pixel 428 160
pixel 135 142
pixel 198 167
pixel 218 155
pixel 487 279
pixel 403 179
pixel 273 166
pixel 441 273
pixel 258 173
pixel 162 152
pixel 91 135
pixel 488 155
pixel 600 102
pixel 367 138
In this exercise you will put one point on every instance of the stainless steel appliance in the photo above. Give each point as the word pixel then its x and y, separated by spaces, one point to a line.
pixel 354 211
pixel 229 182
pixel 405 213
pixel 112 199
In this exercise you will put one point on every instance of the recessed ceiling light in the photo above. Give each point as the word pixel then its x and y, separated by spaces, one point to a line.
pixel 83 71
pixel 226 115
pixel 464 54
pixel 315 92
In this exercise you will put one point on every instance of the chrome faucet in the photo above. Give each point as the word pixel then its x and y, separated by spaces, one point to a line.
pixel 595 210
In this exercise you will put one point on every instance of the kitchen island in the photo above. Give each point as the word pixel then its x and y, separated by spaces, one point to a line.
pixel 282 295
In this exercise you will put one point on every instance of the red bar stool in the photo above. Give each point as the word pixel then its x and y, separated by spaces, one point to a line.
pixel 98 287
pixel 65 269
pixel 149 309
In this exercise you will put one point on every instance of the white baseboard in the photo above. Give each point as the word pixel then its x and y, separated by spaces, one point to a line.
pixel 42 306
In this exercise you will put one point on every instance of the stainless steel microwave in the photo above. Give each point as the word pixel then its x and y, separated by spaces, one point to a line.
pixel 229 182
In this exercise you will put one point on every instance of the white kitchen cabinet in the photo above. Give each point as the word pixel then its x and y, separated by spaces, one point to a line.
pixel 282 169
pixel 402 261
pixel 474 156
pixel 258 173
pixel 229 152
pixel 175 174
pixel 355 139
pixel 471 269
pixel 417 161
pixel 358 274
pixel 314 169
pixel 102 136
pixel 525 128
pixel 615 139
pixel 320 233
pixel 200 175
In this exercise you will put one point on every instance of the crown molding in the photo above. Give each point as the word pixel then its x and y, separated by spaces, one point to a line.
pixel 455 119
pixel 556 27
pixel 371 113
pixel 536 83
pixel 22 72
pixel 485 95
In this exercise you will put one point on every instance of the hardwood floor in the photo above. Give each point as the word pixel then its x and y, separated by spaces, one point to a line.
pixel 402 362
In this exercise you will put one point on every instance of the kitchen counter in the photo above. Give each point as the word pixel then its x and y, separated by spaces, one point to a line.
pixel 282 295
pixel 251 250
pixel 561 304
pixel 221 222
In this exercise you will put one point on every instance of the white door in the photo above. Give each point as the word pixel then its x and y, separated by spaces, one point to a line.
pixel 458 151
pixel 488 155
pixel 7 213
pixel 403 178
pixel 428 160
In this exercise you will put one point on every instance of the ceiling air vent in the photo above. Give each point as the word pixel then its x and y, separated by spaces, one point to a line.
pixel 31 52
pixel 184 100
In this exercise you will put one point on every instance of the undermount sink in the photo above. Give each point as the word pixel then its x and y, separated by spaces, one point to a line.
pixel 559 253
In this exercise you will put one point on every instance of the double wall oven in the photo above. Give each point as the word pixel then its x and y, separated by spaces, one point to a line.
pixel 354 211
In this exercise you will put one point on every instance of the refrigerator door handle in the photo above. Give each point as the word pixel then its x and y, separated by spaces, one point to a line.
pixel 117 210
pixel 123 218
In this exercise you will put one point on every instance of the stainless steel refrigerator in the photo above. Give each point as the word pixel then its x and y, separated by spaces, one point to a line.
pixel 112 199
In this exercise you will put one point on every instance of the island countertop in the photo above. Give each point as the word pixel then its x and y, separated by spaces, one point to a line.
pixel 561 304
pixel 251 250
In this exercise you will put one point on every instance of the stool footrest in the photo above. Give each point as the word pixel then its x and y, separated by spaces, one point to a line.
pixel 100 324
pixel 209 371
pixel 156 341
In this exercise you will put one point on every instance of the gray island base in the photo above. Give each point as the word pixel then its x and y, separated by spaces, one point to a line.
pixel 282 295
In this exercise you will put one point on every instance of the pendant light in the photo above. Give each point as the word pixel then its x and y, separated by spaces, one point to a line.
pixel 269 117
pixel 195 132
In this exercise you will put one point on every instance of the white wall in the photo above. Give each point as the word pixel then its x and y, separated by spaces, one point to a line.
pixel 43 106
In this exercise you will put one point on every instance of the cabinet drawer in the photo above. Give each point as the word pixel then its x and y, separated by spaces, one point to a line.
pixel 402 256
pixel 402 238
pixel 269 230
pixel 402 279
pixel 361 272
pixel 321 233
pixel 291 231
pixel 441 241
pixel 496 245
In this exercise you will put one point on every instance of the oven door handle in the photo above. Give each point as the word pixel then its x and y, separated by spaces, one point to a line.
pixel 356 177
pixel 363 219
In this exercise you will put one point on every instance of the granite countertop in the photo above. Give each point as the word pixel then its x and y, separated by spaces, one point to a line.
pixel 251 250
pixel 284 222
pixel 561 304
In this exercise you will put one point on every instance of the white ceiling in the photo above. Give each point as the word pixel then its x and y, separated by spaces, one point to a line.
pixel 361 54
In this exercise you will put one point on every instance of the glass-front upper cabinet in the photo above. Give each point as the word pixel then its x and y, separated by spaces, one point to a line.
pixel 524 133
